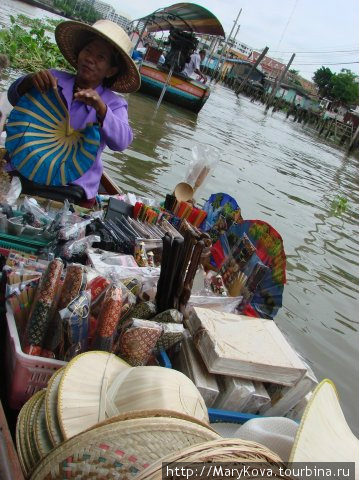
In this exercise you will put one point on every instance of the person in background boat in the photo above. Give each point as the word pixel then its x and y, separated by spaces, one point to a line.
pixel 101 56
pixel 193 66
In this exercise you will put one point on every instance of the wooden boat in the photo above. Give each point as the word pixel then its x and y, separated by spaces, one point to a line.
pixel 182 91
pixel 165 81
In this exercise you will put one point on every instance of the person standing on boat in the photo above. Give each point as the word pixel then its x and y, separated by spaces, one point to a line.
pixel 193 66
pixel 101 56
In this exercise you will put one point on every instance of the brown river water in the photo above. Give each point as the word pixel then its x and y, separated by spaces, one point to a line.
pixel 279 172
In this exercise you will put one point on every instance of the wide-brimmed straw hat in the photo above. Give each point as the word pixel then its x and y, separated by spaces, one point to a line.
pixel 323 434
pixel 71 37
pixel 122 447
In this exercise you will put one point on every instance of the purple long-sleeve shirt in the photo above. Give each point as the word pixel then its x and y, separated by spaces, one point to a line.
pixel 115 131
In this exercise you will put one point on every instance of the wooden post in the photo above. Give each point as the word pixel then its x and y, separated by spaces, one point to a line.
pixel 354 141
pixel 278 81
pixel 246 78
pixel 224 49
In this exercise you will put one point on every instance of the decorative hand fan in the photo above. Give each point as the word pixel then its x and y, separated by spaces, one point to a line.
pixel 43 146
pixel 251 258
pixel 222 210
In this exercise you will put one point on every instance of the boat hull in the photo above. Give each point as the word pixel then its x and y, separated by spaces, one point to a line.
pixel 187 93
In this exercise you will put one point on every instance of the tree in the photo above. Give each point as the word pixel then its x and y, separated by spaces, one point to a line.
pixel 344 87
pixel 322 78
pixel 294 71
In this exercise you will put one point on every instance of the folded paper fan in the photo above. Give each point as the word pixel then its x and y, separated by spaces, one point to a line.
pixel 42 145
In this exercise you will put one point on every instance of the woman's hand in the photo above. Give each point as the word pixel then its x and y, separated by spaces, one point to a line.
pixel 92 98
pixel 43 80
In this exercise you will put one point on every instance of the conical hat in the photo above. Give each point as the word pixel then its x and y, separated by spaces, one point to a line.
pixel 323 434
pixel 82 390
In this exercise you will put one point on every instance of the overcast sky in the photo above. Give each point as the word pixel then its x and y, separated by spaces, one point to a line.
pixel 290 26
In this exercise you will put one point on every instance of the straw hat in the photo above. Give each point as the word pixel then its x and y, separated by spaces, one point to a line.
pixel 323 434
pixel 71 36
pixel 121 448
pixel 231 451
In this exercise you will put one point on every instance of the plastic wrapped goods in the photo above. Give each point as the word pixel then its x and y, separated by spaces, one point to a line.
pixel 234 394
pixel 283 399
pixel 245 347
pixel 191 364
pixel 108 319
pixel 43 309
pixel 258 399
pixel 138 339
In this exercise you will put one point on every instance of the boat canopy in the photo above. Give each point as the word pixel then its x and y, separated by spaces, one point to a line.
pixel 185 16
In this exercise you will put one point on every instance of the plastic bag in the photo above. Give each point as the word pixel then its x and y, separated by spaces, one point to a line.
pixel 204 161
pixel 78 247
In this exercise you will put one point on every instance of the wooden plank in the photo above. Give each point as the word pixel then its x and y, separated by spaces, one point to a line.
pixel 9 463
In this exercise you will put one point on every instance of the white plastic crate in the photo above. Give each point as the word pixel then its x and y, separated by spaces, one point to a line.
pixel 25 374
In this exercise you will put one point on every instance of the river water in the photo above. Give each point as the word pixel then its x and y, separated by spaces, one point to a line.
pixel 278 172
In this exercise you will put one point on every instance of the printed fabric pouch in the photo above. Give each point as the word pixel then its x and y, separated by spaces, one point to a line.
pixel 138 340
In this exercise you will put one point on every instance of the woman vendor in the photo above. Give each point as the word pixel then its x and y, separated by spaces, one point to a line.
pixel 101 56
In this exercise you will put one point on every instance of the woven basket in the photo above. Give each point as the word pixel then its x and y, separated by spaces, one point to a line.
pixel 231 451
pixel 121 449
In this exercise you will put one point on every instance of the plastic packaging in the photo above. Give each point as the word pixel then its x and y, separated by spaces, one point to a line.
pixel 204 161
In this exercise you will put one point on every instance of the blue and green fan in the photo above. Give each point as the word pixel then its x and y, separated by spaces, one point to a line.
pixel 42 145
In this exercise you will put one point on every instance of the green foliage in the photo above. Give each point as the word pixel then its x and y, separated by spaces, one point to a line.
pixel 339 205
pixel 28 46
pixel 294 71
pixel 344 88
pixel 78 9
pixel 322 78
pixel 337 86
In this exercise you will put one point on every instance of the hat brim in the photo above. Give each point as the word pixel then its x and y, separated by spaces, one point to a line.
pixel 71 36
pixel 121 448
pixel 323 434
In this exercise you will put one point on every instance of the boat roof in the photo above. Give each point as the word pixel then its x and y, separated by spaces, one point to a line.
pixel 185 16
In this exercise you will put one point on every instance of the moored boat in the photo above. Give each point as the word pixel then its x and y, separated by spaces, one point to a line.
pixel 182 20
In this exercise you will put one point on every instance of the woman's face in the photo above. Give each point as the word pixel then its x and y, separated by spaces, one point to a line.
pixel 94 64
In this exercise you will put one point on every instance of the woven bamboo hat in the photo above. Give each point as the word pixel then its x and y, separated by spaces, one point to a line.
pixel 71 37
pixel 323 434
pixel 232 451
pixel 121 448
pixel 82 390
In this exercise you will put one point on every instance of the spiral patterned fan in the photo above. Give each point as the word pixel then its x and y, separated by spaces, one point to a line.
pixel 42 145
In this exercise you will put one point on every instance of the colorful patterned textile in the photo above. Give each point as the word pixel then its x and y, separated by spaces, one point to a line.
pixel 138 340
pixel 108 319
pixel 43 309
